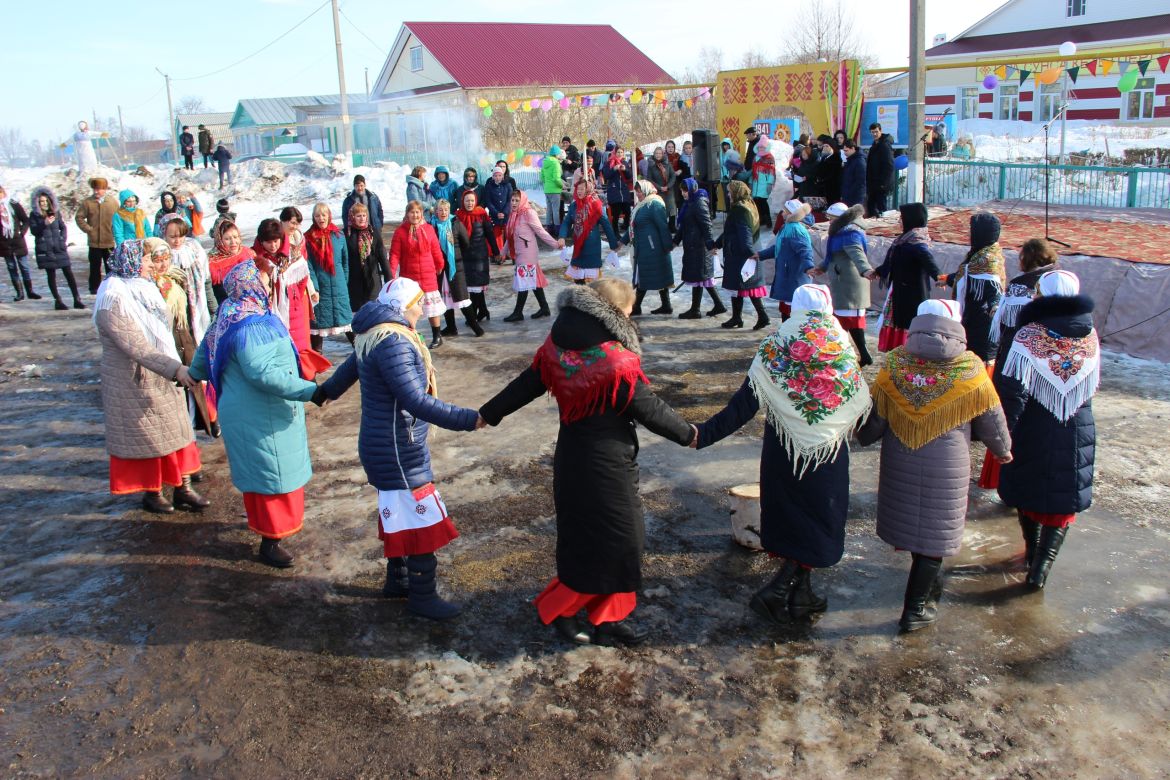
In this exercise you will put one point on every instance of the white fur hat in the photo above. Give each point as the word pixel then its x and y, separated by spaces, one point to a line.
pixel 941 308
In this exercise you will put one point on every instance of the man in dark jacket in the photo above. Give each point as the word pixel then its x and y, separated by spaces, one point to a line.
pixel 223 159
pixel 361 195
pixel 879 174
pixel 853 174
pixel 187 148
pixel 594 157
pixel 569 166
pixel 206 144
pixel 753 137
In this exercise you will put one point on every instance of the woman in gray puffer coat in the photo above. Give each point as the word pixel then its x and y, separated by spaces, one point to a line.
pixel 847 272
pixel 931 398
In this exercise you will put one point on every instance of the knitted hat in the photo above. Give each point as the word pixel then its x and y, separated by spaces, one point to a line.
pixel 1059 283
pixel 985 229
pixel 222 206
pixel 763 145
pixel 610 146
pixel 554 150
pixel 940 308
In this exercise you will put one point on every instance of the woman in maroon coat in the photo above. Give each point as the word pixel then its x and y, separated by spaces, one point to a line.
pixel 415 253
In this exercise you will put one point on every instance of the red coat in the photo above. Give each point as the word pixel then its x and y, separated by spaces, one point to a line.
pixel 418 258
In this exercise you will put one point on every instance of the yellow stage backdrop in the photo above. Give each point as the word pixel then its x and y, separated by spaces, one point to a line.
pixel 747 96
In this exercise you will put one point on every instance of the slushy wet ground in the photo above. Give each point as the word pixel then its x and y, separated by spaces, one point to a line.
pixel 147 646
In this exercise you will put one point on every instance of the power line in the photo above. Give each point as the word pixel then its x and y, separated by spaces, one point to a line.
pixel 363 34
pixel 148 100
pixel 268 45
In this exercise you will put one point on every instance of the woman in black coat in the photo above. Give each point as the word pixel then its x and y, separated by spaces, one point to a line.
pixel 369 268
pixel 1036 259
pixel 1046 387
pixel 827 178
pixel 698 263
pixel 741 230
pixel 910 270
pixel 591 358
pixel 451 230
pixel 48 228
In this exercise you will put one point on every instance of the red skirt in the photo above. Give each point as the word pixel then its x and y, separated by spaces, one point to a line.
pixel 212 409
pixel 755 292
pixel 559 600
pixel 989 475
pixel 1055 521
pixel 851 323
pixel 138 475
pixel 890 337
pixel 785 311
pixel 275 516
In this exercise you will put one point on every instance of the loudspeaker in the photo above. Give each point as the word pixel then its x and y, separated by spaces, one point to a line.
pixel 705 146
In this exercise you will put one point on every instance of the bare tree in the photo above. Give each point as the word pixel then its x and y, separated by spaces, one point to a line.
pixel 12 144
pixel 137 133
pixel 824 31
pixel 754 58
pixel 191 104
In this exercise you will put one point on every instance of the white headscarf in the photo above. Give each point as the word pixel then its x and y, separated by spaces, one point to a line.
pixel 812 297
pixel 400 294
pixel 941 308
pixel 1059 282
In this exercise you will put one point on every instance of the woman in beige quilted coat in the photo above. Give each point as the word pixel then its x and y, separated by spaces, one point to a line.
pixel 148 431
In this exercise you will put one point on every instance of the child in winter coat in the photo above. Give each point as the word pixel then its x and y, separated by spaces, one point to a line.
pixel 224 214
pixel 523 234
pixel 443 187
pixel 130 221
pixel 763 178
pixel 498 203
pixel 794 256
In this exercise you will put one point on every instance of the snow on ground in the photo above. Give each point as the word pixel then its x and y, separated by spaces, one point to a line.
pixel 1007 141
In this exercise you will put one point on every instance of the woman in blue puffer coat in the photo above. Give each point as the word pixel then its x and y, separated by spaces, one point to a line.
pixel 399 404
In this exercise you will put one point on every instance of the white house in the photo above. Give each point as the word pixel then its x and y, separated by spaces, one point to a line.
pixel 1036 28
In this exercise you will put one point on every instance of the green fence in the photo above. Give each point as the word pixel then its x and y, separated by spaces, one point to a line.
pixel 527 180
pixel 964 182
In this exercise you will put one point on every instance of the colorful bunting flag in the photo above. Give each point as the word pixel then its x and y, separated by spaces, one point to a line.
pixel 1164 62
pixel 1143 65
pixel 1123 66
pixel 1092 67
pixel 1106 66
pixel 1024 74
pixel 1072 73
pixel 1001 71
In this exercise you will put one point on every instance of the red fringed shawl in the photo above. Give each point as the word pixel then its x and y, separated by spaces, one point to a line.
pixel 586 382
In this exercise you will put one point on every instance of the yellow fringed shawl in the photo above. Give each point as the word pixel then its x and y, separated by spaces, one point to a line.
pixel 923 399
pixel 364 343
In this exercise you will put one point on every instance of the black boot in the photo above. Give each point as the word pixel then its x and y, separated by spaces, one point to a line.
pixel 436 337
pixel 186 498
pixel 14 275
pixel 665 308
pixel 518 313
pixel 1051 538
pixel 917 609
pixel 762 320
pixel 154 502
pixel 274 555
pixel 802 601
pixel 623 632
pixel 59 305
pixel 637 312
pixel 451 329
pixel 771 601
pixel 481 309
pixel 736 320
pixel 28 289
pixel 397 584
pixel 694 313
pixel 540 299
pixel 858 335
pixel 718 308
pixel 1031 531
pixel 472 322
pixel 422 598
pixel 570 629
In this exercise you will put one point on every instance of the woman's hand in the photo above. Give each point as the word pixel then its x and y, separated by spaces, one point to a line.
pixel 183 377
pixel 1004 459
pixel 480 423
pixel 314 298
pixel 560 243
pixel 694 445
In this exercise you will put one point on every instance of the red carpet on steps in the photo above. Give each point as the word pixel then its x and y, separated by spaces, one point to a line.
pixel 1138 242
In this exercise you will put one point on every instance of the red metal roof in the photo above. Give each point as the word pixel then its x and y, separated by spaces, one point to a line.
pixel 1150 26
pixel 494 54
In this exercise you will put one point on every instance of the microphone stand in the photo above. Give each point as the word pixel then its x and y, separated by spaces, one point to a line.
pixel 1048 175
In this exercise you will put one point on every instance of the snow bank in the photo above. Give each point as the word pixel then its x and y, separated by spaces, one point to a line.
pixel 1008 141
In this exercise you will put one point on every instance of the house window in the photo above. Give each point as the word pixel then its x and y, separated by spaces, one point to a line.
pixel 1140 102
pixel 1048 101
pixel 969 103
pixel 415 58
pixel 1076 7
pixel 1009 101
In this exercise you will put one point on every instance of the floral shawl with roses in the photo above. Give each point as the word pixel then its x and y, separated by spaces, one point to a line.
pixel 808 379
pixel 588 381
pixel 923 399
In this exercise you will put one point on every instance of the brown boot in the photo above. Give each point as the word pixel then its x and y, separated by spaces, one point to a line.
pixel 274 555
pixel 154 502
pixel 186 498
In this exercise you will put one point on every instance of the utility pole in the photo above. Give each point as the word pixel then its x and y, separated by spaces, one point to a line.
pixel 171 121
pixel 367 85
pixel 916 102
pixel 345 136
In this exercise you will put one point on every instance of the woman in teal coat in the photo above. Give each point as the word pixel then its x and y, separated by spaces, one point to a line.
pixel 649 234
pixel 328 256
pixel 251 361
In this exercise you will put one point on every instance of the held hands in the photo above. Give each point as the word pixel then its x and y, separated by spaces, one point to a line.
pixel 1002 460
pixel 480 423
pixel 560 243
pixel 694 445
pixel 319 396
pixel 872 275
pixel 183 377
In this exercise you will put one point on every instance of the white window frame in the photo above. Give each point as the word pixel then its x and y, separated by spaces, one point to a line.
pixel 1145 92
pixel 968 100
pixel 1076 8
pixel 416 58
pixel 1046 100
pixel 1003 95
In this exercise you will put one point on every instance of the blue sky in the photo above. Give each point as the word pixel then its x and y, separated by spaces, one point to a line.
pixel 68 59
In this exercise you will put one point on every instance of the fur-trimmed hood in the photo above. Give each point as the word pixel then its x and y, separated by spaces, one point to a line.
pixel 1057 307
pixel 619 326
pixel 38 192
pixel 851 215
